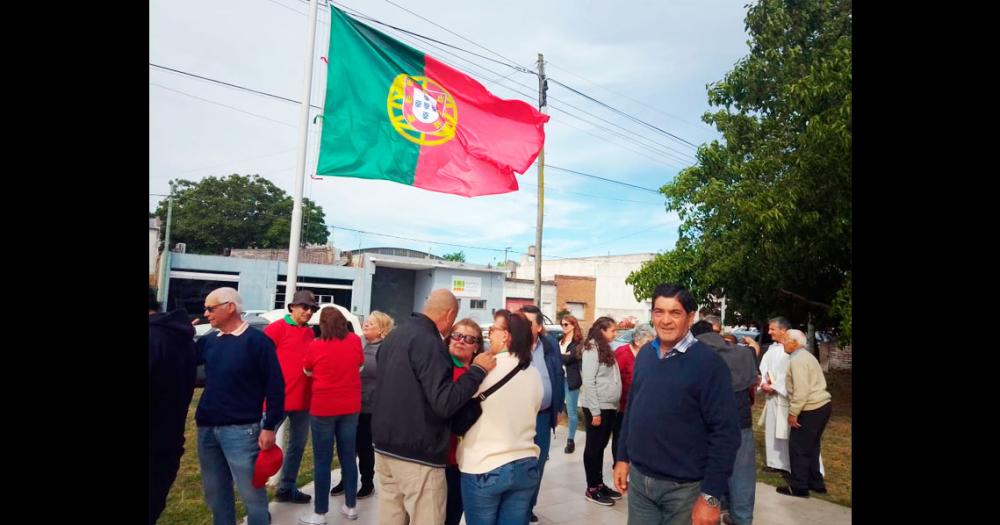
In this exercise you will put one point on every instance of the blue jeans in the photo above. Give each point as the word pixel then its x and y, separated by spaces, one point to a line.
pixel 572 398
pixel 326 429
pixel 501 495
pixel 227 453
pixel 660 501
pixel 298 433
pixel 543 438
pixel 743 481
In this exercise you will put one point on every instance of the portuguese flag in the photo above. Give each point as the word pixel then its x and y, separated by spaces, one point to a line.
pixel 396 114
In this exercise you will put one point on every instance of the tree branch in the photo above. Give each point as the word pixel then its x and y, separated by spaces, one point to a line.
pixel 803 299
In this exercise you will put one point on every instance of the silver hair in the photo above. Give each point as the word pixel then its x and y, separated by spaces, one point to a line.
pixel 782 322
pixel 228 295
pixel 714 320
pixel 797 336
pixel 643 330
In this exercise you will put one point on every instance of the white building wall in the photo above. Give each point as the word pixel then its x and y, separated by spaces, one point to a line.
pixel 527 290
pixel 154 243
pixel 613 296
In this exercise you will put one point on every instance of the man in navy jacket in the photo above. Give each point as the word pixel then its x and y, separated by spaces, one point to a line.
pixel 680 432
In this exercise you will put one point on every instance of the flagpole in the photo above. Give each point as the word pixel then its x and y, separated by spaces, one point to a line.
pixel 542 86
pixel 300 171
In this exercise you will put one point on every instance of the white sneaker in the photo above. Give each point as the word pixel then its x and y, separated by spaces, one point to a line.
pixel 312 518
pixel 350 512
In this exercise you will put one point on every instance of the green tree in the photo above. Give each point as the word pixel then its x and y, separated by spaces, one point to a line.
pixel 458 256
pixel 766 213
pixel 237 211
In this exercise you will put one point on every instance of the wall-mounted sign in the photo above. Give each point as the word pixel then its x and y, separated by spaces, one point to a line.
pixel 463 286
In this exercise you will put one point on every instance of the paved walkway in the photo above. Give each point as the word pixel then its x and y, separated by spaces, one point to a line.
pixel 561 499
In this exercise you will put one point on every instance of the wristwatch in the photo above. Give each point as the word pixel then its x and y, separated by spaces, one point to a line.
pixel 711 500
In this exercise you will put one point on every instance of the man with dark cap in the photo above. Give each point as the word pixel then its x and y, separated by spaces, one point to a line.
pixel 292 335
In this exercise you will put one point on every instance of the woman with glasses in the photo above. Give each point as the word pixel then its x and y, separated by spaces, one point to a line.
pixel 567 347
pixel 375 328
pixel 334 361
pixel 602 390
pixel 464 342
pixel 498 456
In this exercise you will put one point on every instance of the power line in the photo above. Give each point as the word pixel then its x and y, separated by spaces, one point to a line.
pixel 370 19
pixel 459 36
pixel 626 115
pixel 221 104
pixel 602 178
pixel 236 86
pixel 701 127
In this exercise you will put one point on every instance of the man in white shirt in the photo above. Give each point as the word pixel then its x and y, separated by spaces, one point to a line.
pixel 773 371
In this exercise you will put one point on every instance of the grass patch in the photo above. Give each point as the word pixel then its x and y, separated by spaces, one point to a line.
pixel 835 446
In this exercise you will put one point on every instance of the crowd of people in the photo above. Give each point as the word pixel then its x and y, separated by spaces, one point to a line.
pixel 454 430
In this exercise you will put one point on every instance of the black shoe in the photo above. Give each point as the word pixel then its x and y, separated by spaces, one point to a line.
pixel 788 491
pixel 367 489
pixel 338 489
pixel 292 496
pixel 533 518
pixel 570 446
pixel 599 497
pixel 820 491
pixel 613 494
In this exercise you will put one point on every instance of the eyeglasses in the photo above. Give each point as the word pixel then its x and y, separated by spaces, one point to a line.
pixel 211 309
pixel 469 339
pixel 309 307
pixel 566 324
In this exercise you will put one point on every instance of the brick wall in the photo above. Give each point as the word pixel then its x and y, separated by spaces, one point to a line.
pixel 840 358
pixel 575 289
pixel 835 357
pixel 317 255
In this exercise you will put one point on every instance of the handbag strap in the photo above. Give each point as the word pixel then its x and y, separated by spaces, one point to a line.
pixel 482 397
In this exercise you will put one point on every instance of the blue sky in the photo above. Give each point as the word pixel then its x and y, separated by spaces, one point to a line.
pixel 649 59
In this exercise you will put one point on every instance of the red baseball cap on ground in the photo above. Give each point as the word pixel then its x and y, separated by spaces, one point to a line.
pixel 268 464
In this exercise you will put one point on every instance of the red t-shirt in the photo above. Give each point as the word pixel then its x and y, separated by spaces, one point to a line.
pixel 336 375
pixel 453 441
pixel 626 364
pixel 290 343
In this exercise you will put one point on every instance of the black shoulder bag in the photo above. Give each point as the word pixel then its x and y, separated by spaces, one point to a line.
pixel 467 416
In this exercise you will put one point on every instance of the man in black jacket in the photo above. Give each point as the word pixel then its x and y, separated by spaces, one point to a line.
pixel 738 506
pixel 545 358
pixel 171 385
pixel 414 399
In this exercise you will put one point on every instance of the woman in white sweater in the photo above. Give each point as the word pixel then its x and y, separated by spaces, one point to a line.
pixel 498 456
pixel 602 390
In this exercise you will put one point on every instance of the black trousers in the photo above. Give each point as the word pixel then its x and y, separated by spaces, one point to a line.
pixel 453 510
pixel 162 471
pixel 597 440
pixel 803 449
pixel 365 449
pixel 616 431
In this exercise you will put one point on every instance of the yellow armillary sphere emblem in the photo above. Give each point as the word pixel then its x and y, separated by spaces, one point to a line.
pixel 421 110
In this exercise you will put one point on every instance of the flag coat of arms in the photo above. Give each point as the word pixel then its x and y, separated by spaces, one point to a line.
pixel 397 114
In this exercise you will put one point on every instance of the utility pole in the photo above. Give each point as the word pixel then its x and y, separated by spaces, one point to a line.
pixel 300 171
pixel 542 104
pixel 163 284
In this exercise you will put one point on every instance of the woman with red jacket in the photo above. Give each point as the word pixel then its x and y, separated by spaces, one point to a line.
pixel 464 342
pixel 334 361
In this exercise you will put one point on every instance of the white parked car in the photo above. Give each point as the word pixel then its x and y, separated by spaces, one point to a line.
pixel 274 315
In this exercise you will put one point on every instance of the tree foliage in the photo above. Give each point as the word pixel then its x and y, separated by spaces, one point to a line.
pixel 458 256
pixel 237 211
pixel 766 213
